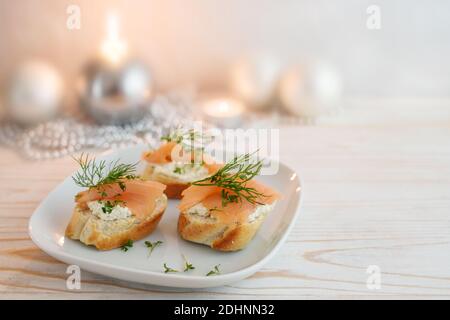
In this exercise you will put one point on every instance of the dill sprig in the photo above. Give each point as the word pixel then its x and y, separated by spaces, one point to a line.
pixel 127 245
pixel 152 245
pixel 233 177
pixel 168 269
pixel 93 174
pixel 187 265
pixel 108 206
pixel 214 271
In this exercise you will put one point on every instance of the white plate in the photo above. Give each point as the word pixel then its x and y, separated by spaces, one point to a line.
pixel 48 222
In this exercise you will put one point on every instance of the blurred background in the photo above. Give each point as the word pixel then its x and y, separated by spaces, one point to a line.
pixel 196 40
pixel 259 59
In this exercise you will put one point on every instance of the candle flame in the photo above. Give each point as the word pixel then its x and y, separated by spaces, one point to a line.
pixel 224 107
pixel 113 48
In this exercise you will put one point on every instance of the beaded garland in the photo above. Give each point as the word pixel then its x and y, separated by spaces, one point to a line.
pixel 67 135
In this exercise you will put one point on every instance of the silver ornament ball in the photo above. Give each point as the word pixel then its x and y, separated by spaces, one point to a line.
pixel 311 90
pixel 35 93
pixel 254 79
pixel 116 95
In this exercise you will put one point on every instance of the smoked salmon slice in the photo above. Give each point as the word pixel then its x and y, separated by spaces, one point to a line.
pixel 211 198
pixel 161 155
pixel 139 196
pixel 164 154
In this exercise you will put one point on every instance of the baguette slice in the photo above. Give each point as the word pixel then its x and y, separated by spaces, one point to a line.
pixel 161 167
pixel 204 220
pixel 109 234
pixel 174 187
pixel 145 201
pixel 221 234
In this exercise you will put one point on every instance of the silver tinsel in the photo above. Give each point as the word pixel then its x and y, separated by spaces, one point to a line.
pixel 67 135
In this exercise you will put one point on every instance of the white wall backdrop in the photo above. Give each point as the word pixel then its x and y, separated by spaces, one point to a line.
pixel 195 40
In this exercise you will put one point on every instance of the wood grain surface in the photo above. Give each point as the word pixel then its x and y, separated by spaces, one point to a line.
pixel 374 194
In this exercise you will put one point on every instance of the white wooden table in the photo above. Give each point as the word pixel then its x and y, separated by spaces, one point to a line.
pixel 376 192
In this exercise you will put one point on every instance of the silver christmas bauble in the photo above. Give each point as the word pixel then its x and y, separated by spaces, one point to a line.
pixel 34 94
pixel 116 94
pixel 310 90
pixel 254 79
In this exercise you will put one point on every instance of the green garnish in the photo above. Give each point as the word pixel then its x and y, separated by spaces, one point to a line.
pixel 108 206
pixel 232 178
pixel 127 245
pixel 95 174
pixel 152 245
pixel 122 186
pixel 187 266
pixel 168 269
pixel 228 197
pixel 214 271
pixel 179 170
